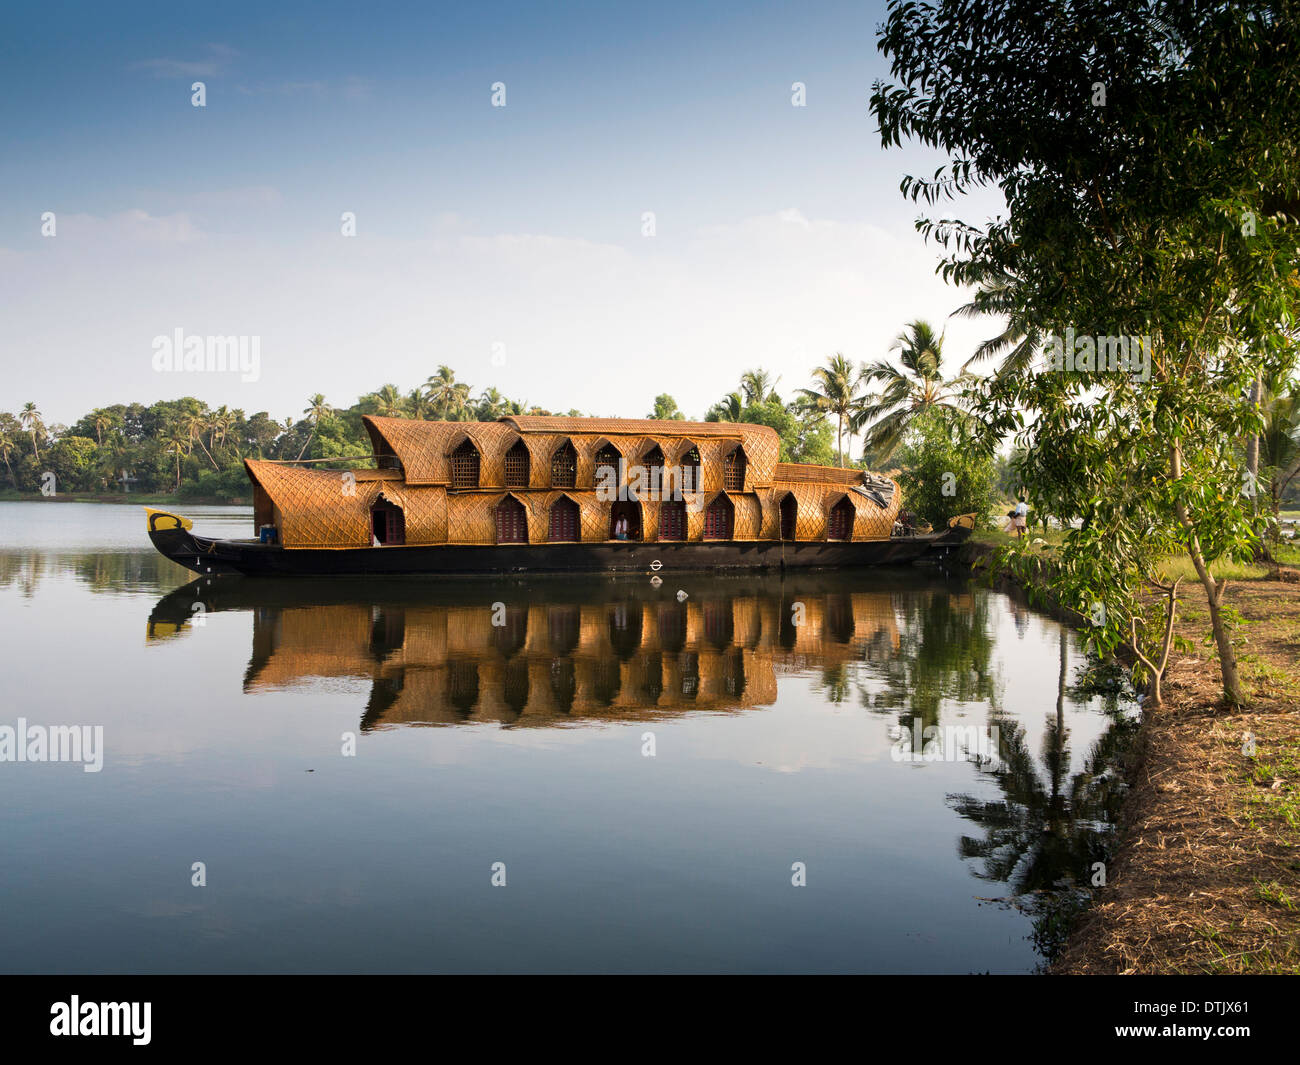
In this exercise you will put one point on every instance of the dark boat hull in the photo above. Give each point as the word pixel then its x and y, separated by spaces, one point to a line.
pixel 206 556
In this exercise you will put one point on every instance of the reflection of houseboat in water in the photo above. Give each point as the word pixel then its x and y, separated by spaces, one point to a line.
pixel 559 495
pixel 583 652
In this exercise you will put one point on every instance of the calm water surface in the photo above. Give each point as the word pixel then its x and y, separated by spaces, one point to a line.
pixel 510 723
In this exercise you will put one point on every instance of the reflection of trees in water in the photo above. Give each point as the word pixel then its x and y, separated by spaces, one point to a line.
pixel 104 572
pixel 1046 829
pixel 944 651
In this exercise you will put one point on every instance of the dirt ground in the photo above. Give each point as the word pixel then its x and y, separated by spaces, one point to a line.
pixel 1207 877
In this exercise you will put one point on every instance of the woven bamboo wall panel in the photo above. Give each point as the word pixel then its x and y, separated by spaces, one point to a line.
pixel 871 522
pixel 800 471
pixel 424 509
pixel 749 517
pixel 316 508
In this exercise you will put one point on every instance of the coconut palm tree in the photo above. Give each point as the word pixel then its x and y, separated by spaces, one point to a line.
pixel 1018 342
pixel 194 425
pixel 757 386
pixel 491 405
pixel 317 409
pixel 30 418
pixel 418 404
pixel 917 387
pixel 7 448
pixel 1279 444
pixel 450 397
pixel 837 392
pixel 727 409
pixel 177 443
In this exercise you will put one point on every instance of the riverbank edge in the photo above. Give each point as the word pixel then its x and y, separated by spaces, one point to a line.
pixel 1202 865
pixel 121 499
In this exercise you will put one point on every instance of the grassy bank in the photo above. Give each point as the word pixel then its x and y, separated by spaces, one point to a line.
pixel 169 501
pixel 1207 875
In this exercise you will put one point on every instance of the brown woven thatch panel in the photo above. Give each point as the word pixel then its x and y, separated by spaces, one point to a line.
pixel 810 517
pixel 801 471
pixel 541 446
pixel 493 440
pixel 317 508
pixel 769 500
pixel 424 509
pixel 420 446
pixel 650 520
pixel 471 517
pixel 749 517
pixel 762 449
pixel 871 522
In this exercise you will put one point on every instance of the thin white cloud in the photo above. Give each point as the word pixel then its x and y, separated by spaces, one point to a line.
pixel 218 59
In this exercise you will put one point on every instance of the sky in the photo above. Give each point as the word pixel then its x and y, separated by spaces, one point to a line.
pixel 647 213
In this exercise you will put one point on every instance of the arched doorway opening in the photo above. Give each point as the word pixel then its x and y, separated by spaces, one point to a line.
pixel 625 520
pixel 387 523
pixel 840 524
pixel 789 517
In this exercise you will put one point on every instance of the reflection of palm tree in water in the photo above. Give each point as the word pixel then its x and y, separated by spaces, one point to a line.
pixel 1044 833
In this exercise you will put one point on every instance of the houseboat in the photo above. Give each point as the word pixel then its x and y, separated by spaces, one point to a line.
pixel 547 495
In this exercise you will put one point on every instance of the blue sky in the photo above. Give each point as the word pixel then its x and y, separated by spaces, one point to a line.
pixel 779 233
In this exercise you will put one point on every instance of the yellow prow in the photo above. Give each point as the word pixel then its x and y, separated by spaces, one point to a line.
pixel 163 519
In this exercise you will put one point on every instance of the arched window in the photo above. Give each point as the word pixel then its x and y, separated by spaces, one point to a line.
pixel 719 519
pixel 465 465
pixel 564 466
pixel 672 520
pixel 512 522
pixel 689 465
pixel 789 517
pixel 733 471
pixel 607 460
pixel 518 466
pixel 840 525
pixel 653 464
pixel 564 520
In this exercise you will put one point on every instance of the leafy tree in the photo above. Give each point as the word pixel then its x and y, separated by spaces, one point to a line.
pixel 666 409
pixel 942 478
pixel 1147 155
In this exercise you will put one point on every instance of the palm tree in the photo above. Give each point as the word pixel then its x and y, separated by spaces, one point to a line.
pixel 919 386
pixel 727 409
pixel 757 386
pixel 101 420
pixel 1018 342
pixel 30 418
pixel 7 448
pixel 193 424
pixel 418 405
pixel 839 384
pixel 316 410
pixel 1279 444
pixel 177 443
pixel 491 405
pixel 450 397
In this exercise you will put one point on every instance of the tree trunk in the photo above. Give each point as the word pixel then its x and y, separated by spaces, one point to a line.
pixel 1213 592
